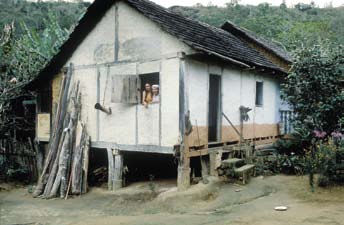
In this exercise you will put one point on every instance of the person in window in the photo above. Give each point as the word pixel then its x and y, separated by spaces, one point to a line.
pixel 156 96
pixel 147 96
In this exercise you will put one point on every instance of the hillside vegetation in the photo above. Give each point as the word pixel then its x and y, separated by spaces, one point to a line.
pixel 302 24
pixel 33 14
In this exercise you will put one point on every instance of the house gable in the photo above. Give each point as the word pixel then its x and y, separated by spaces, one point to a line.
pixel 125 35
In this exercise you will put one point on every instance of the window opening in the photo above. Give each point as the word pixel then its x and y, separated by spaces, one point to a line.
pixel 259 93
pixel 150 88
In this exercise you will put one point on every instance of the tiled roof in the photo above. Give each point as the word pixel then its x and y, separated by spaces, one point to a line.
pixel 268 45
pixel 200 36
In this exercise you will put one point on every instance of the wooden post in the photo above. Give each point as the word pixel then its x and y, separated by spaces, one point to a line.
pixel 110 169
pixel 85 166
pixel 118 171
pixel 184 169
pixel 215 158
pixel 205 168
pixel 115 170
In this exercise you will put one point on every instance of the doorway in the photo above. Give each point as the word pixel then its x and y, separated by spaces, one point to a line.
pixel 214 108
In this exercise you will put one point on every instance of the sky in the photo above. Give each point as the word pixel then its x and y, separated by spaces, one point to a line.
pixel 320 3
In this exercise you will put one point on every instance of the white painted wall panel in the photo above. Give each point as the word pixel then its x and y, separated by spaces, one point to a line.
pixel 120 126
pixel 149 67
pixel 148 124
pixel 169 84
pixel 197 88
pixel 239 88
pixel 140 38
pixel 87 78
pixel 231 94
pixel 266 114
pixel 98 46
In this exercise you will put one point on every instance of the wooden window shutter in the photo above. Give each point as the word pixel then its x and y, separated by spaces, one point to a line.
pixel 125 89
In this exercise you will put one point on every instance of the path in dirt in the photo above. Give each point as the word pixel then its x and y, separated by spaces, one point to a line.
pixel 214 203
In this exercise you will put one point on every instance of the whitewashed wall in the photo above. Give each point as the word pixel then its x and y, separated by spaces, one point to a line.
pixel 238 88
pixel 139 46
pixel 143 47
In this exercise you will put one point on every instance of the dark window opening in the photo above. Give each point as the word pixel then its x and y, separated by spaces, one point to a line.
pixel 44 101
pixel 150 83
pixel 259 93
pixel 214 107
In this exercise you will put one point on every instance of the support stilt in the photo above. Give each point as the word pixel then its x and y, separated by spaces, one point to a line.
pixel 184 170
pixel 110 169
pixel 117 181
pixel 115 170
pixel 215 159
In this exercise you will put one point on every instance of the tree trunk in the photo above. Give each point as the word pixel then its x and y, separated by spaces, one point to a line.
pixel 54 142
pixel 76 172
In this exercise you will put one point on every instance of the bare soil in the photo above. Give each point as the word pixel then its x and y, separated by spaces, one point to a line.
pixel 157 203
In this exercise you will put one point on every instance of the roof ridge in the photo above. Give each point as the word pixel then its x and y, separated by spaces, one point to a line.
pixel 230 42
pixel 276 47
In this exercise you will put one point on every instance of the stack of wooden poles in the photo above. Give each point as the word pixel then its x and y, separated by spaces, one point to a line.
pixel 66 165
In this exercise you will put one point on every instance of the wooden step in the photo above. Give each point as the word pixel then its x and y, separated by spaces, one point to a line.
pixel 245 172
pixel 231 162
pixel 244 168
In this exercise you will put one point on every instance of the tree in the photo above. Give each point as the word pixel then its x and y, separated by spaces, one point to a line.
pixel 21 60
pixel 314 89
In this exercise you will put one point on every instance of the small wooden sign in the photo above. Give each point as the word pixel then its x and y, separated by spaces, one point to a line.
pixel 43 126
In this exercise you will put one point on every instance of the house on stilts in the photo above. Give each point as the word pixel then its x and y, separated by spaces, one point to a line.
pixel 219 88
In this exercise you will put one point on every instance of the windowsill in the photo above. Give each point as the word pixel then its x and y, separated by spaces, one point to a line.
pixel 155 103
pixel 260 106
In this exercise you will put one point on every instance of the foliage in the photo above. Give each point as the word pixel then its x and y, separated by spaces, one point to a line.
pixel 292 164
pixel 33 14
pixel 277 162
pixel 33 50
pixel 314 90
pixel 326 158
pixel 290 145
pixel 303 24
pixel 21 60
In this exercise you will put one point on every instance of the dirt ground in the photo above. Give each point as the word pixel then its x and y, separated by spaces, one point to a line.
pixel 158 203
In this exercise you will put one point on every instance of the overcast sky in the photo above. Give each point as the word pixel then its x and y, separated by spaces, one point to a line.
pixel 321 3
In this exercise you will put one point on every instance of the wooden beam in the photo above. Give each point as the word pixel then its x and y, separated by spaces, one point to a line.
pixel 203 152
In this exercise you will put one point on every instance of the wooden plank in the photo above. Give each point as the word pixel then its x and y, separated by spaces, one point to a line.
pixel 133 90
pixel 85 165
pixel 125 90
pixel 202 152
pixel 244 168
pixel 110 169
pixel 43 126
pixel 231 162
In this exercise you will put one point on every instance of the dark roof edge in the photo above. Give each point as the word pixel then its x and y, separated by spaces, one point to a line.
pixel 229 26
